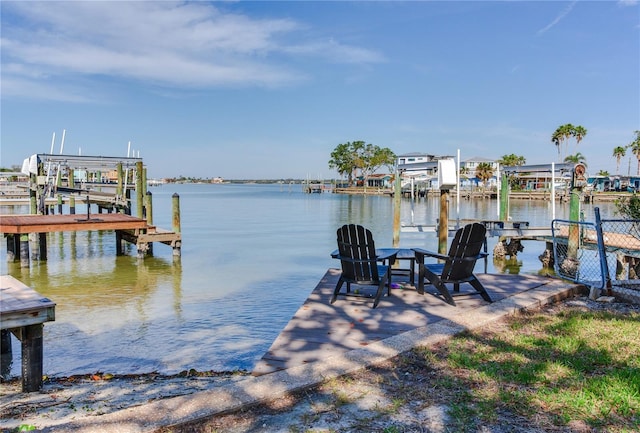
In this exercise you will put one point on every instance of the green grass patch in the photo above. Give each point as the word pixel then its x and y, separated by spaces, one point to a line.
pixel 580 366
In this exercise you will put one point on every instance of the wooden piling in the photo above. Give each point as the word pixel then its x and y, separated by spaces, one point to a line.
pixel 397 194
pixel 175 212
pixel 148 205
pixel 443 222
pixel 139 191
pixel 24 251
pixel 32 358
pixel 72 199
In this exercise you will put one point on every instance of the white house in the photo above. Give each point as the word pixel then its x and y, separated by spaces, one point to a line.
pixel 419 169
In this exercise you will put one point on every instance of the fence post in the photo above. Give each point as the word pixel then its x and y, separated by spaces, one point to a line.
pixel 602 252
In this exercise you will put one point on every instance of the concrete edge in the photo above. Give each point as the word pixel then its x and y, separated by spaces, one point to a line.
pixel 254 390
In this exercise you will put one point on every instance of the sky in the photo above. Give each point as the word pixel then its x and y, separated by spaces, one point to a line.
pixel 267 90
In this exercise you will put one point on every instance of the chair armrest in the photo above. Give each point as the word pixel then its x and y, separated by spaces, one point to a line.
pixel 421 254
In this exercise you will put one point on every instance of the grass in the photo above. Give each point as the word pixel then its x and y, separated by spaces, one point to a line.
pixel 575 366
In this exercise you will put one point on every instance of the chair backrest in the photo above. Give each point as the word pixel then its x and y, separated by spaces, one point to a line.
pixel 357 254
pixel 466 245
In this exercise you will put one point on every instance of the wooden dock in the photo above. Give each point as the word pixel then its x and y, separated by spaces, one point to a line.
pixel 23 312
pixel 319 330
pixel 127 228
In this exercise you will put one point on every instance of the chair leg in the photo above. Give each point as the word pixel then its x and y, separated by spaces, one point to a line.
pixel 337 290
pixel 420 287
pixel 438 284
pixel 480 288
pixel 381 290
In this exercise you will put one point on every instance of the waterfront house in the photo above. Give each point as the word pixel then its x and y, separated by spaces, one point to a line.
pixel 419 169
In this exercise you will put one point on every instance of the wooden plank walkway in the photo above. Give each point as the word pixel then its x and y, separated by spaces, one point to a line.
pixel 23 224
pixel 319 329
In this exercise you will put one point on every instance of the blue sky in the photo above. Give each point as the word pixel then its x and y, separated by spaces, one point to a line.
pixel 268 89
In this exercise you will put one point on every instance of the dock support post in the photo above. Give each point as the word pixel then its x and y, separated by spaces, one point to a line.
pixel 148 205
pixel 6 353
pixel 139 190
pixel 72 199
pixel 504 198
pixel 443 222
pixel 119 186
pixel 5 342
pixel 24 251
pixel 42 244
pixel 119 241
pixel 175 221
pixel 13 247
pixel 397 192
pixel 32 357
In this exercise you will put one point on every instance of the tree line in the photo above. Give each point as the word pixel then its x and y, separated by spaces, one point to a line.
pixel 357 158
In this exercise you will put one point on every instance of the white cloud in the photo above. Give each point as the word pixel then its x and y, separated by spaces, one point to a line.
pixel 627 2
pixel 172 44
pixel 559 18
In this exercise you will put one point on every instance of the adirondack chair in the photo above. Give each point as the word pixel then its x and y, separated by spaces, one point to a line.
pixel 360 263
pixel 464 251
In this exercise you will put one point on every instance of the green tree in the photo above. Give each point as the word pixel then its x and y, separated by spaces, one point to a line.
pixel 343 161
pixel 619 152
pixel 348 158
pixel 635 148
pixel 484 172
pixel 578 158
pixel 512 160
pixel 603 173
pixel 629 207
pixel 565 132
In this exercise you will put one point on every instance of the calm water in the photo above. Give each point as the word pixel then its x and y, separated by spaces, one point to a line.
pixel 251 255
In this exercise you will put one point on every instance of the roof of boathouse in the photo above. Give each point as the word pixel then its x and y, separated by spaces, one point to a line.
pixel 79 162
pixel 540 168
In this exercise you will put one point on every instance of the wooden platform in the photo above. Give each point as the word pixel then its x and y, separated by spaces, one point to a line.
pixel 23 311
pixel 22 224
pixel 126 227
pixel 319 329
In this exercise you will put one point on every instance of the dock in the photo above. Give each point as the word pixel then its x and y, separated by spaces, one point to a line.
pixel 23 312
pixel 320 330
pixel 17 229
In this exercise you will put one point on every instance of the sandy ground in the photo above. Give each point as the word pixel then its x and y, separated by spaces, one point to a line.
pixel 62 400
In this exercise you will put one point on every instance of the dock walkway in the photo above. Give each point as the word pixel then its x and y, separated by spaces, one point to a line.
pixel 320 330
pixel 128 228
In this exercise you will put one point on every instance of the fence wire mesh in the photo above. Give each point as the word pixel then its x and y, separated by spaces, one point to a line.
pixel 576 253
pixel 598 254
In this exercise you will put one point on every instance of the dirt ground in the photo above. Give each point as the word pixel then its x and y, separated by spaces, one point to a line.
pixel 396 396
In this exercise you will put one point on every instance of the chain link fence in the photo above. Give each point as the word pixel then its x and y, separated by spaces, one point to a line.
pixel 603 254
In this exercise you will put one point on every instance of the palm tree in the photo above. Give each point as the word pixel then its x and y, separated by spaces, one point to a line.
pixel 635 148
pixel 618 153
pixel 484 172
pixel 564 132
pixel 512 160
pixel 578 158
pixel 578 133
